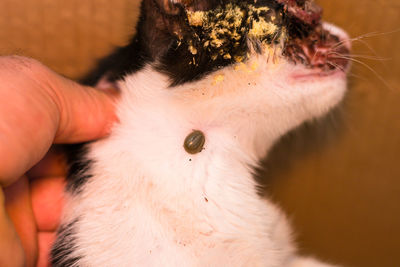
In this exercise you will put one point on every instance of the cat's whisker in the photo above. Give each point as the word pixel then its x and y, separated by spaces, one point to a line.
pixel 372 50
pixel 363 36
pixel 360 56
pixel 369 47
pixel 343 70
pixel 274 55
pixel 336 66
pixel 366 66
pixel 350 40
pixel 370 57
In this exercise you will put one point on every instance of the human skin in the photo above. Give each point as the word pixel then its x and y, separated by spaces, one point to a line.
pixel 38 109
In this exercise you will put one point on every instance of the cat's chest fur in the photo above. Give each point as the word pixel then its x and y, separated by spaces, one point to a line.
pixel 150 201
pixel 243 73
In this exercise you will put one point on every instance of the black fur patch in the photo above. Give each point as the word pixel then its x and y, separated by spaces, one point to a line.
pixel 187 51
pixel 64 246
pixel 121 62
pixel 79 167
pixel 168 41
pixel 181 49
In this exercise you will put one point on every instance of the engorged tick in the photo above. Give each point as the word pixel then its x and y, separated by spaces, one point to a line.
pixel 194 142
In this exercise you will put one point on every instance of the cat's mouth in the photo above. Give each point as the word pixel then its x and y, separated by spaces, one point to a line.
pixel 319 49
pixel 313 43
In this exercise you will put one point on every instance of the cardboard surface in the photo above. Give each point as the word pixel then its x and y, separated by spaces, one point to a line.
pixel 339 181
pixel 65 35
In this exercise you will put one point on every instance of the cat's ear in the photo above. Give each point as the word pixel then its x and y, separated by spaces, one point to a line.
pixel 174 7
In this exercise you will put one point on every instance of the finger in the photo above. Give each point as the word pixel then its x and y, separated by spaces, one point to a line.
pixel 52 165
pixel 12 253
pixel 46 240
pixel 85 113
pixel 47 202
pixel 18 207
pixel 37 107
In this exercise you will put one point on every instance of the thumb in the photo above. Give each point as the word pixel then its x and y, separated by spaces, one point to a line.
pixel 84 112
pixel 39 107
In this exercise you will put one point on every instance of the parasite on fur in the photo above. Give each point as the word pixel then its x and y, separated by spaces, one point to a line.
pixel 194 142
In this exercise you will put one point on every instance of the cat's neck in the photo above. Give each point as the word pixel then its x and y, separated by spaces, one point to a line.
pixel 213 104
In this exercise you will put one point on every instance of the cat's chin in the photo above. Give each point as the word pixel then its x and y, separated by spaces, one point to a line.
pixel 323 91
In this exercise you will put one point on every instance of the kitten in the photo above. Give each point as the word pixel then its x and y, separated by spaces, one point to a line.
pixel 207 87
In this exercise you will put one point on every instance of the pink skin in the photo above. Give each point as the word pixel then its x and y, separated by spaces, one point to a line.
pixel 320 55
pixel 322 51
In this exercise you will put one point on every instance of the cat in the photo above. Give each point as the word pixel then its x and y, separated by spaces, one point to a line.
pixel 207 87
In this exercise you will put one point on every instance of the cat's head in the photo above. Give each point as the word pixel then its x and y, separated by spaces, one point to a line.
pixel 191 38
pixel 270 64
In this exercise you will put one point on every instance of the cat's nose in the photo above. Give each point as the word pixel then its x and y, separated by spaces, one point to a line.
pixel 332 51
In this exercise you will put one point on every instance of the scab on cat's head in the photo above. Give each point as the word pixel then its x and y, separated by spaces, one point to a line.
pixel 222 29
pixel 210 34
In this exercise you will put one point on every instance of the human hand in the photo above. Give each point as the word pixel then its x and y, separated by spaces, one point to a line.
pixel 34 204
pixel 39 108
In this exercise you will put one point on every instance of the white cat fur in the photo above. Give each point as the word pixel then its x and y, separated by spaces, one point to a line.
pixel 150 203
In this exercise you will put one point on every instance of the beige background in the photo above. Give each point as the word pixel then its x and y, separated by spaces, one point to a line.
pixel 338 180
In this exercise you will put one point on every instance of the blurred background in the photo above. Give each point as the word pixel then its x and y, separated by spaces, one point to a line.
pixel 338 178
